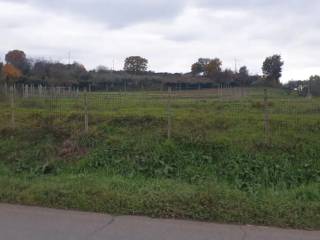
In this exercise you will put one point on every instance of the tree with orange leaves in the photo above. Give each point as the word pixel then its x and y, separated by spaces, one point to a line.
pixel 10 72
pixel 19 60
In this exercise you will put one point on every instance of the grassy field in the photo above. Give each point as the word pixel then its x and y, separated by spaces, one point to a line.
pixel 219 164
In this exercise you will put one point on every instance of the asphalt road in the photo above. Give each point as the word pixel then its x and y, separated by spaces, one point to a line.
pixel 32 223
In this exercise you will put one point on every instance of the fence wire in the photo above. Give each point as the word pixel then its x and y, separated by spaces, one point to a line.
pixel 236 114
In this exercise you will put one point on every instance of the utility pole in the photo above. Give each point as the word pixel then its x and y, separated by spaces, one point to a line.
pixel 86 115
pixel 309 90
pixel 69 58
pixel 12 103
pixel 266 119
pixel 169 127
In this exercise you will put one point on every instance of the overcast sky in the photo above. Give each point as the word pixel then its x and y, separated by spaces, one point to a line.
pixel 172 34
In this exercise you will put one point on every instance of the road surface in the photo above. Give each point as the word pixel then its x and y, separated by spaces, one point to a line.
pixel 33 223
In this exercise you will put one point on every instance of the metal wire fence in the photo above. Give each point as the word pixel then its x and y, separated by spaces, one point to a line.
pixel 237 114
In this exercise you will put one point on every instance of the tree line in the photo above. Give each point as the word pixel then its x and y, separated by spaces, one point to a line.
pixel 205 73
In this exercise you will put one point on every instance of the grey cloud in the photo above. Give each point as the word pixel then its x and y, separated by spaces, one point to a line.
pixel 121 13
pixel 248 29
pixel 183 36
pixel 273 10
pixel 114 13
pixel 235 3
pixel 254 4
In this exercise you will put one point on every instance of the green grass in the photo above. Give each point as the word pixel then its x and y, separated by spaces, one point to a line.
pixel 165 198
pixel 216 167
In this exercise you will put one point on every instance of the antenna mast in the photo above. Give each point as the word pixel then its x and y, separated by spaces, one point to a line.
pixel 69 57
pixel 235 65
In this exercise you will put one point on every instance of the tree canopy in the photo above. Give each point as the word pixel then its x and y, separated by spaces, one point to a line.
pixel 19 60
pixel 11 73
pixel 272 70
pixel 196 69
pixel 207 67
pixel 213 68
pixel 207 72
pixel 136 64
